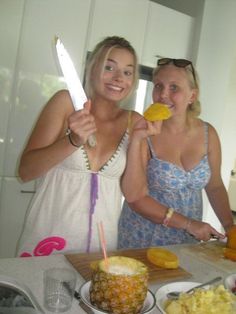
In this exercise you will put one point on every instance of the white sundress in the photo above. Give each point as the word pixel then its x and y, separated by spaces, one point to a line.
pixel 70 201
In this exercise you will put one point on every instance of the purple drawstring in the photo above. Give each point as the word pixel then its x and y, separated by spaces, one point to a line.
pixel 93 199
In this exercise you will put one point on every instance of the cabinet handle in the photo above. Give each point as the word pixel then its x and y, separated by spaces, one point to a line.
pixel 233 172
pixel 25 191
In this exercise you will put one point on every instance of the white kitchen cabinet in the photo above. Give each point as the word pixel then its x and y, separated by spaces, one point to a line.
pixel 169 33
pixel 121 18
pixel 28 59
pixel 11 13
pixel 15 197
pixel 37 75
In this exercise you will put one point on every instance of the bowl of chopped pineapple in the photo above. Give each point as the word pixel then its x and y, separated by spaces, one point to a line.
pixel 211 300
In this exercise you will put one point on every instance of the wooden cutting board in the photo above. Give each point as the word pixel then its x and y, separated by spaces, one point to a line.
pixel 81 262
pixel 212 253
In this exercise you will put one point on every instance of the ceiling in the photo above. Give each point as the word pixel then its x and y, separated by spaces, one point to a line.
pixel 190 7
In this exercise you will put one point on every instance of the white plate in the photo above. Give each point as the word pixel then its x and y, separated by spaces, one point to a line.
pixel 230 282
pixel 148 306
pixel 161 293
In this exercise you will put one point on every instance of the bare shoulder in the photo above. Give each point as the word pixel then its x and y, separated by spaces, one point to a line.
pixel 212 131
pixel 135 116
pixel 51 123
pixel 61 101
pixel 213 139
pixel 199 123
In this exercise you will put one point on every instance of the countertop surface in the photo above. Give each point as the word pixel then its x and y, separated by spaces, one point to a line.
pixel 30 270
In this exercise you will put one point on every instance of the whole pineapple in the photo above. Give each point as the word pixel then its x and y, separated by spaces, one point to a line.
pixel 120 289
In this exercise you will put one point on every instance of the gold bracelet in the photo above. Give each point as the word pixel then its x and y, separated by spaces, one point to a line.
pixel 169 214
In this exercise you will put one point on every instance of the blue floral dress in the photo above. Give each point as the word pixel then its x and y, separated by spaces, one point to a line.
pixel 173 187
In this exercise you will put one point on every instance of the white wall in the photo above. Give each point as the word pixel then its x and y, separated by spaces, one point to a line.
pixel 216 64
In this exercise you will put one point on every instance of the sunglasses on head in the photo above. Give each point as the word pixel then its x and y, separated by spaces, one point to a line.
pixel 181 63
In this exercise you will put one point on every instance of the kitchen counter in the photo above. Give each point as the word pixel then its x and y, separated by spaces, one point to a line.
pixel 30 271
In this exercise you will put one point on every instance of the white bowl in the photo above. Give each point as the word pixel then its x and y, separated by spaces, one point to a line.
pixel 181 286
pixel 230 282
pixel 148 305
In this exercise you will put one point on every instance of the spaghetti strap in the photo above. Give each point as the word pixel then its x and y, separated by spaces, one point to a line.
pixel 206 136
pixel 152 152
pixel 129 126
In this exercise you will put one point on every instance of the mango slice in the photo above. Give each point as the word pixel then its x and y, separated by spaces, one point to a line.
pixel 162 257
pixel 230 254
pixel 157 111
pixel 231 238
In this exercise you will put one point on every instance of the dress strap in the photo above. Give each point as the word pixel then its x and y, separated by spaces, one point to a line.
pixel 129 124
pixel 206 136
pixel 152 152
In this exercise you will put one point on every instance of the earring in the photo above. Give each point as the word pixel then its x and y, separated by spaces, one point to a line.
pixel 190 106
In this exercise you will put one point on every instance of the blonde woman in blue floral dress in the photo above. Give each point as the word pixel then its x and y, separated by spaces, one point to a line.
pixel 169 164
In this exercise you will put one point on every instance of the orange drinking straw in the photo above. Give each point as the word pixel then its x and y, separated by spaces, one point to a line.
pixel 103 243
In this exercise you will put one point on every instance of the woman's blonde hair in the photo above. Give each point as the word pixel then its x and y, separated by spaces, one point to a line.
pixel 98 57
pixel 194 109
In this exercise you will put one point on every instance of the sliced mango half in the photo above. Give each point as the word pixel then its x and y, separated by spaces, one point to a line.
pixel 230 254
pixel 163 258
pixel 157 111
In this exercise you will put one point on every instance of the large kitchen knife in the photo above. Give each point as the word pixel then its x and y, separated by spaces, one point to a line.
pixel 73 82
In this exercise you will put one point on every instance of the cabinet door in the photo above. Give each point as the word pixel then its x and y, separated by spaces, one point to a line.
pixel 37 74
pixel 168 34
pixel 14 201
pixel 121 18
pixel 11 13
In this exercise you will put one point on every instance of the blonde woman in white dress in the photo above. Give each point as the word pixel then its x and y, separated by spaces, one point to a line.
pixel 79 185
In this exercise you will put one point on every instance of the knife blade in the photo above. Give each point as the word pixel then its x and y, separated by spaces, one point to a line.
pixel 72 80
